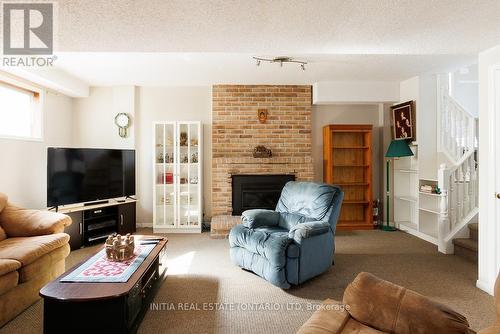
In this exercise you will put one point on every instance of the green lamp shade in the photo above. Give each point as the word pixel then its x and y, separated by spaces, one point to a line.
pixel 398 148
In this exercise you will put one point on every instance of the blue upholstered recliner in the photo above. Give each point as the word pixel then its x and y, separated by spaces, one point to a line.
pixel 293 243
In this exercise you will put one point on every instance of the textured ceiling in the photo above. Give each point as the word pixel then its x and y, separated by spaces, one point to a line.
pixel 158 69
pixel 279 26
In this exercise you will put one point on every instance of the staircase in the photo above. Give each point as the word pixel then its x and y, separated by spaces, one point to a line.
pixel 468 247
pixel 458 180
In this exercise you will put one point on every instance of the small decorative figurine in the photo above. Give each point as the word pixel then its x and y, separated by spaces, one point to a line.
pixel 194 180
pixel 160 158
pixel 119 249
pixel 185 159
pixel 194 157
pixel 183 139
pixel 194 142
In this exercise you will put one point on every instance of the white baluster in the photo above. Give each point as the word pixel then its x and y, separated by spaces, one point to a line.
pixel 460 195
pixel 467 204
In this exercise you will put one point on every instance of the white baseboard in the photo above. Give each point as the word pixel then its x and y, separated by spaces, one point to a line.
pixel 485 286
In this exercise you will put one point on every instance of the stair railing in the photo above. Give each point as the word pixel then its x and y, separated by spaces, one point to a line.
pixel 458 201
pixel 457 127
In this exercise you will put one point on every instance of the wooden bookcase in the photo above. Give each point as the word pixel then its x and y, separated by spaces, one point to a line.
pixel 347 163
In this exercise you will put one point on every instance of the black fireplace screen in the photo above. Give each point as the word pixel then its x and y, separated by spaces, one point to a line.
pixel 257 191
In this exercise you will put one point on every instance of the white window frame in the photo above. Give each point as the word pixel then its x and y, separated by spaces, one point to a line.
pixel 39 95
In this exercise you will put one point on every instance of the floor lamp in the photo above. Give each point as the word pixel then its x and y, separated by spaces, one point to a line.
pixel 397 149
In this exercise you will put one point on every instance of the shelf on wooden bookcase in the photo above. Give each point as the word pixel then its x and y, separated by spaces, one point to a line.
pixel 355 202
pixel 351 147
pixel 334 165
pixel 352 184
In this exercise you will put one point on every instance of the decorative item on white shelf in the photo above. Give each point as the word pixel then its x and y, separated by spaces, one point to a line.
pixel 183 139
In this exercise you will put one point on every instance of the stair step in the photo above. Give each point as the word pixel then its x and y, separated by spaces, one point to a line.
pixel 474 231
pixel 466 243
pixel 466 248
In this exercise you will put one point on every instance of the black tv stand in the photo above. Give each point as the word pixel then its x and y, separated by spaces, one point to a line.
pixel 96 203
pixel 93 222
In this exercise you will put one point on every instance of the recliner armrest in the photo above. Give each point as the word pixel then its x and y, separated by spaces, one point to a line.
pixel 306 230
pixel 259 217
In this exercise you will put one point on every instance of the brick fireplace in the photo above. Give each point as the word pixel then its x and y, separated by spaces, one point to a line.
pixel 236 131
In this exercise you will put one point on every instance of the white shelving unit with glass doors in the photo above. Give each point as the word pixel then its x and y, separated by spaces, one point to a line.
pixel 177 177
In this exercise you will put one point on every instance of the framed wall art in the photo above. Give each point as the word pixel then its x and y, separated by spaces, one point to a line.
pixel 403 121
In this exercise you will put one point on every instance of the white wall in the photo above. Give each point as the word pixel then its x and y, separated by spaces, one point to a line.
pixel 94 118
pixel 355 92
pixel 94 127
pixel 489 232
pixel 348 114
pixel 23 167
pixel 465 88
pixel 422 90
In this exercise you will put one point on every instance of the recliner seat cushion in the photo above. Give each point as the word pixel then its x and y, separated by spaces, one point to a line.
pixel 308 199
pixel 261 251
pixel 27 249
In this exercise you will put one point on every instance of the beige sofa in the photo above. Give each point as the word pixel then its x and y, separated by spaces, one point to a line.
pixel 371 305
pixel 32 253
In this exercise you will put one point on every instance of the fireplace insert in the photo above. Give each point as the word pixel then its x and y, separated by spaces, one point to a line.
pixel 257 191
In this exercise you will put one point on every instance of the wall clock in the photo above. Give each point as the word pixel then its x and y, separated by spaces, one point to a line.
pixel 122 121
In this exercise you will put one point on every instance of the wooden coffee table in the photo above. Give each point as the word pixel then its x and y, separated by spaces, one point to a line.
pixel 103 307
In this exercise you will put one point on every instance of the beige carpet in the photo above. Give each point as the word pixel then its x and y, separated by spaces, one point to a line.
pixel 201 276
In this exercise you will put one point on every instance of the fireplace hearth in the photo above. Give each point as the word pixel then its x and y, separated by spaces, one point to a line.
pixel 257 191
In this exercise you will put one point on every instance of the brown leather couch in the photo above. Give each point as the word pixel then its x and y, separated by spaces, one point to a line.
pixel 371 305
pixel 32 253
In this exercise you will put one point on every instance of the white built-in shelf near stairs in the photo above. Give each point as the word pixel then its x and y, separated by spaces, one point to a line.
pixel 415 212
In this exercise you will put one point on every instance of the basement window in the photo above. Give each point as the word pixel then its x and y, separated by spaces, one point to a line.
pixel 20 112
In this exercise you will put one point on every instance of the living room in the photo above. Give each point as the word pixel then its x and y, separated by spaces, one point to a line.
pixel 280 176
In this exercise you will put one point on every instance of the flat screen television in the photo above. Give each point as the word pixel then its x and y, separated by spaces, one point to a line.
pixel 78 175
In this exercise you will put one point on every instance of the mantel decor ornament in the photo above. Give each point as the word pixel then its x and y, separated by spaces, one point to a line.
pixel 119 248
pixel 262 152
